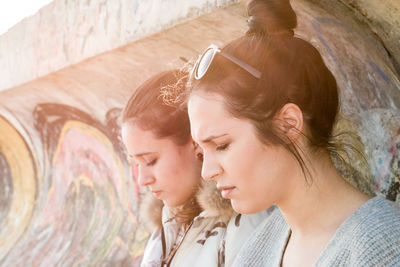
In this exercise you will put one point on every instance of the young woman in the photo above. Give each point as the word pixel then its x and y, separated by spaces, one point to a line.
pixel 262 109
pixel 190 225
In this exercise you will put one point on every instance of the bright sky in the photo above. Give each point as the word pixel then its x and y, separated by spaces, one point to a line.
pixel 13 11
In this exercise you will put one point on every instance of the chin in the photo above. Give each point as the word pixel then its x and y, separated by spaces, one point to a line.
pixel 245 208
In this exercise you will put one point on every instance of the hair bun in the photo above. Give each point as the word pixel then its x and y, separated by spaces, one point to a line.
pixel 271 17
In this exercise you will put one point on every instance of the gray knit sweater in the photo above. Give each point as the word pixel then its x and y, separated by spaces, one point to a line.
pixel 369 237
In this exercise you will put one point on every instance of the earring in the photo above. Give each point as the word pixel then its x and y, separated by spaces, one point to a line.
pixel 199 156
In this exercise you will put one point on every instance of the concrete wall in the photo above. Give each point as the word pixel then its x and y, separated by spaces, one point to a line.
pixel 383 17
pixel 68 31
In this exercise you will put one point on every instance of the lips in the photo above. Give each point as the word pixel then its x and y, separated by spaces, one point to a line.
pixel 226 191
pixel 156 193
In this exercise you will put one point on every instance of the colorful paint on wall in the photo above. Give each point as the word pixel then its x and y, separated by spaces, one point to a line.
pixel 18 185
pixel 388 172
pixel 86 212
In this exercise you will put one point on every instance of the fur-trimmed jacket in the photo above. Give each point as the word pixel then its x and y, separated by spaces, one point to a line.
pixel 214 238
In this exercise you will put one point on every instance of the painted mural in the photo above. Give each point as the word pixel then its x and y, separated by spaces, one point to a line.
pixel 19 186
pixel 68 196
pixel 88 195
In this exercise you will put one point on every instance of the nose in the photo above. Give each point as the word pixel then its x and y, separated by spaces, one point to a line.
pixel 210 169
pixel 145 176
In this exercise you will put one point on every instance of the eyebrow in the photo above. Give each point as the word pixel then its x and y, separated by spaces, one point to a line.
pixel 208 139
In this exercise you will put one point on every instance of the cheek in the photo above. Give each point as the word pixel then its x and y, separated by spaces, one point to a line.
pixel 181 168
pixel 251 171
pixel 240 162
pixel 269 176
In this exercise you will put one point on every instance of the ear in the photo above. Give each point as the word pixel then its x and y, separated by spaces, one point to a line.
pixel 290 121
pixel 197 150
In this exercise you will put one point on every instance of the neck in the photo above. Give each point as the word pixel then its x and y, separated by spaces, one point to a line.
pixel 322 204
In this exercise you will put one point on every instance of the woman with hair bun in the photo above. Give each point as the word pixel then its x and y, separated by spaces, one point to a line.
pixel 262 108
pixel 187 217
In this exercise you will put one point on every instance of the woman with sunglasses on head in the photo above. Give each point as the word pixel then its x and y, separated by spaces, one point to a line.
pixel 262 109
pixel 188 216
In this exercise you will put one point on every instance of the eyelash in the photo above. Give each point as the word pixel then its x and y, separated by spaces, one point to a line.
pixel 151 163
pixel 222 147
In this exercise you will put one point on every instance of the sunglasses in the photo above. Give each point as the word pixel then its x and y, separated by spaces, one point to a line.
pixel 204 61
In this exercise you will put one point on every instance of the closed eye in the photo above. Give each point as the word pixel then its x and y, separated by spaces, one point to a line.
pixel 153 162
pixel 222 147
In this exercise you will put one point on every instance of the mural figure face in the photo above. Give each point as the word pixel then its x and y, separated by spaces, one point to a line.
pixel 253 175
pixel 170 171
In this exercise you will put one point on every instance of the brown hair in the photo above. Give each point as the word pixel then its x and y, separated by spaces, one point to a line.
pixel 147 108
pixel 292 71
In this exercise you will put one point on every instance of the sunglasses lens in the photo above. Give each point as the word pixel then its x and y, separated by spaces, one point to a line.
pixel 205 63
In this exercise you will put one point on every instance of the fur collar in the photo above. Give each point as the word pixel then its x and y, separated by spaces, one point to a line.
pixel 208 197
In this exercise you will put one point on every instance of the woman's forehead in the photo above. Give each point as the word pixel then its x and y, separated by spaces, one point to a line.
pixel 209 117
